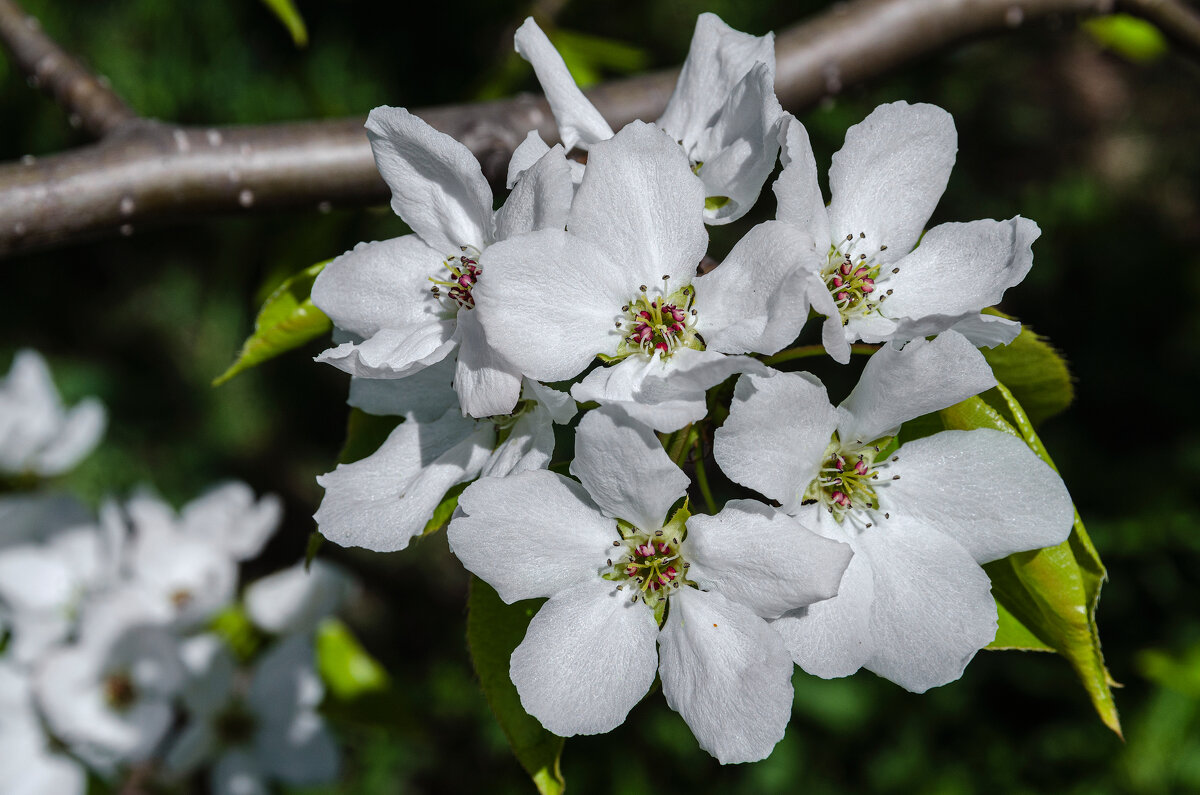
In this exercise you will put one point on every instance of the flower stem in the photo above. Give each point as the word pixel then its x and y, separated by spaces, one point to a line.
pixel 678 444
pixel 808 351
pixel 702 478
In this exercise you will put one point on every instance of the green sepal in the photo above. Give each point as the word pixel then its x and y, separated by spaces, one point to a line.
pixel 1034 372
pixel 715 202
pixel 289 15
pixel 1049 595
pixel 494 629
pixel 287 320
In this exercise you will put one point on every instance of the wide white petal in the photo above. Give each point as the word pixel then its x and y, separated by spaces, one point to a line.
pixel 523 157
pixel 549 302
pixel 985 489
pixel 486 383
pixel 385 499
pixel 897 386
pixel 727 673
pixel 395 352
pixel 561 405
pixel 427 394
pixel 756 300
pixel 775 435
pixel 587 658
pixel 797 192
pixel 437 185
pixel 295 600
pixel 579 123
pixel 380 285
pixel 80 432
pixel 211 671
pixel 985 331
pixel 529 446
pixel 541 198
pixel 933 606
pixel 625 469
pixel 233 519
pixel 889 175
pixel 530 534
pixel 640 201
pixel 760 557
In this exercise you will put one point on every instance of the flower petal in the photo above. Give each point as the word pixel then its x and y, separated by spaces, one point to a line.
pixel 640 201
pixel 897 386
pixel 587 658
pixel 530 534
pixel 437 185
pixel 80 432
pixel 726 672
pixel 797 192
pixel 889 175
pixel 776 432
pixel 293 601
pixel 485 381
pixel 395 352
pixel 541 199
pixel 985 489
pixel 760 557
pixel 625 469
pixel 523 157
pixel 428 393
pixel 579 123
pixel 385 499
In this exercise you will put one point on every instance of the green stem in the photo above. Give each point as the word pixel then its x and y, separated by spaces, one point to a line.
pixel 677 444
pixel 808 351
pixel 702 479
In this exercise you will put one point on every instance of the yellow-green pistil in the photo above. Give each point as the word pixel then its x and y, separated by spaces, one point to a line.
pixel 849 477
pixel 851 278
pixel 647 564
pixel 660 323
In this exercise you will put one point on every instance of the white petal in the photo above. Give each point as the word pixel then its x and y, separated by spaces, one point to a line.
pixel 530 534
pixel 524 156
pixel 427 394
pixel 294 600
pixel 797 192
pixel 986 331
pixel 549 302
pixel 195 745
pixel 756 300
pixel 385 499
pixel 760 557
pixel 960 268
pixel 933 605
pixel 835 337
pixel 897 386
pixel 437 185
pixel 233 519
pixel 985 489
pixel 395 352
pixel 587 658
pixel 727 673
pixel 485 381
pixel 626 470
pixel 541 198
pixel 237 773
pixel 888 177
pixel 579 123
pixel 561 405
pixel 640 201
pixel 380 285
pixel 776 432
pixel 529 446
pixel 210 675
pixel 80 432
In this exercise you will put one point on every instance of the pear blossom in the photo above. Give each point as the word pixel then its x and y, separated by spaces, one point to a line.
pixel 27 764
pixel 914 606
pixel 37 434
pixel 620 283
pixel 407 303
pixel 871 283
pixel 295 600
pixel 723 111
pixel 623 576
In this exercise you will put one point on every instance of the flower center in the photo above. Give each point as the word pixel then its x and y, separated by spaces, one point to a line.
pixel 647 565
pixel 663 322
pixel 235 724
pixel 119 692
pixel 848 479
pixel 853 278
pixel 455 292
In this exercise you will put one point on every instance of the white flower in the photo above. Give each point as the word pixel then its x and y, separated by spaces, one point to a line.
pixel 37 435
pixel 27 765
pixel 265 730
pixel 620 283
pixel 914 606
pixel 408 300
pixel 233 519
pixel 622 576
pixel 872 284
pixel 293 601
pixel 723 111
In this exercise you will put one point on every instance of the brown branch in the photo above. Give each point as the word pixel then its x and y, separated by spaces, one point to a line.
pixel 149 172
pixel 89 101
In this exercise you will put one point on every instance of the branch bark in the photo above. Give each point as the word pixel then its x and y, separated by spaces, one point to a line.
pixel 143 171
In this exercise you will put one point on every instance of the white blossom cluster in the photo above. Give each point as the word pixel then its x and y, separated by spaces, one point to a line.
pixel 484 328
pixel 110 658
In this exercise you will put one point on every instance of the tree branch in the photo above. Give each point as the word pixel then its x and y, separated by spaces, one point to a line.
pixel 145 172
pixel 89 101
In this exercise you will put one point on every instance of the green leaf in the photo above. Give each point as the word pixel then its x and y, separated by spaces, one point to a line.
pixel 238 631
pixel 345 665
pixel 715 202
pixel 315 542
pixel 587 56
pixel 1130 37
pixel 291 19
pixel 364 434
pixel 1050 593
pixel 493 630
pixel 287 320
pixel 1035 372
pixel 442 513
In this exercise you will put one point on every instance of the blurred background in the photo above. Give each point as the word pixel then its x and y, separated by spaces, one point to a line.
pixel 1090 133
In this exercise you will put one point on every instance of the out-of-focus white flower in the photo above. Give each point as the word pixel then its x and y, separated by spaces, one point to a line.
pixel 408 301
pixel 38 435
pixel 914 606
pixel 723 112
pixel 27 765
pixel 233 519
pixel 871 283
pixel 293 601
pixel 620 283
pixel 616 568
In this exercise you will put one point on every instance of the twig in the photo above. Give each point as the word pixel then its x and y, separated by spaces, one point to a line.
pixel 150 172
pixel 89 101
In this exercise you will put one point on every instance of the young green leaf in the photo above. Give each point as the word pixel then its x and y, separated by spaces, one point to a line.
pixel 289 15
pixel 1035 372
pixel 345 665
pixel 493 630
pixel 1047 597
pixel 287 320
